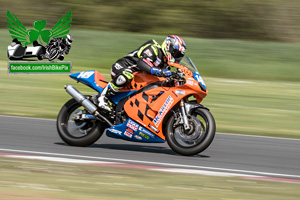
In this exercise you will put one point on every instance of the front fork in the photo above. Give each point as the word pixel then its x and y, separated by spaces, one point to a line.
pixel 184 116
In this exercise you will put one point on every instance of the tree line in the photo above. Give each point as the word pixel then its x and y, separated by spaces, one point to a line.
pixel 270 20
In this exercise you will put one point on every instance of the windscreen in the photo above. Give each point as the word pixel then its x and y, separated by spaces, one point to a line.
pixel 186 61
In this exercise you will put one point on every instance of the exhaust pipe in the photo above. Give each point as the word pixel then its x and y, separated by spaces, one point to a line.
pixel 87 104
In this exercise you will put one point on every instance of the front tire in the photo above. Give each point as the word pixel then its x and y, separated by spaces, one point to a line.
pixel 196 140
pixel 75 132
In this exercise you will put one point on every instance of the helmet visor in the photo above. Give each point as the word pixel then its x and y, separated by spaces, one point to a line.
pixel 177 55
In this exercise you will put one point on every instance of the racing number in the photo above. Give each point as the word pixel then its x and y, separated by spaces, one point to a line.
pixel 85 74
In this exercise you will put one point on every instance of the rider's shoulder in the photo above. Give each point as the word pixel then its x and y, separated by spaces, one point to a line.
pixel 153 43
pixel 149 42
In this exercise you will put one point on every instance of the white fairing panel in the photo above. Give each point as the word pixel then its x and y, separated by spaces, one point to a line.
pixel 33 50
pixel 11 50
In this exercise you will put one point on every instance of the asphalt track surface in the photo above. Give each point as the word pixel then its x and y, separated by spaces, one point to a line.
pixel 252 155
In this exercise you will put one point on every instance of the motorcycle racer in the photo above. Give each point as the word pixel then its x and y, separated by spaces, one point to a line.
pixel 151 58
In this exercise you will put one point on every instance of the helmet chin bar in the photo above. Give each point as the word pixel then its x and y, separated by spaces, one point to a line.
pixel 177 60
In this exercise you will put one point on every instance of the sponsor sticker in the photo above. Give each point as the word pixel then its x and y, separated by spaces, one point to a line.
pixel 115 131
pixel 148 52
pixel 189 82
pixel 145 131
pixel 144 135
pixel 133 125
pixel 148 62
pixel 140 122
pixel 181 92
pixel 157 62
pixel 128 134
pixel 153 128
pixel 163 111
pixel 138 137
pixel 129 130
pixel 118 66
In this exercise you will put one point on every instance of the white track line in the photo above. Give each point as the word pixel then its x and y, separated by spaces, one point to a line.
pixel 164 169
pixel 59 159
pixel 8 116
pixel 259 136
pixel 203 172
pixel 157 163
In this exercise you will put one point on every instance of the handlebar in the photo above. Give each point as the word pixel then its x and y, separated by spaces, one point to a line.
pixel 175 78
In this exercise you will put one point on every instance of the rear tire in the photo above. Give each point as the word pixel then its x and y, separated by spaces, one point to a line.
pixel 77 133
pixel 198 139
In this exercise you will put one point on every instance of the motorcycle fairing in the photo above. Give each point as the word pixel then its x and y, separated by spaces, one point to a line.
pixel 133 131
pixel 150 107
pixel 88 78
pixel 147 107
pixel 96 81
pixel 198 78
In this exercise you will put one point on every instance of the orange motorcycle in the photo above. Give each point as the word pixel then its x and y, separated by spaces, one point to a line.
pixel 149 109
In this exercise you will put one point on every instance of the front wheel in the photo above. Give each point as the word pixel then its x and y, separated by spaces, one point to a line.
pixel 197 139
pixel 76 132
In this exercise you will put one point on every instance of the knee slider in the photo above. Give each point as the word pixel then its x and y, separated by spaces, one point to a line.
pixel 120 80
pixel 128 74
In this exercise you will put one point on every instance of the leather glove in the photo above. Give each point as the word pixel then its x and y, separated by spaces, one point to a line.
pixel 158 72
pixel 166 73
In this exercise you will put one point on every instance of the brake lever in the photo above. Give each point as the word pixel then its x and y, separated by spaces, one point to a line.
pixel 175 75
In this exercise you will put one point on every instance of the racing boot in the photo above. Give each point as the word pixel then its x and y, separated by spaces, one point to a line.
pixel 107 92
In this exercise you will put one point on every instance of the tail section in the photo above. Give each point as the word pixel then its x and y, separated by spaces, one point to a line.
pixel 96 81
pixel 92 78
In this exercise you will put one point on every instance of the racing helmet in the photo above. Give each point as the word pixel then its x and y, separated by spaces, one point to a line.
pixel 69 39
pixel 174 48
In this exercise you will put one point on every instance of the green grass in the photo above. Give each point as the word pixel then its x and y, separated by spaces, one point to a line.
pixel 255 107
pixel 36 180
pixel 253 86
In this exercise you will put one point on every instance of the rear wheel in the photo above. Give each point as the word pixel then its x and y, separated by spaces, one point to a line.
pixel 197 139
pixel 76 132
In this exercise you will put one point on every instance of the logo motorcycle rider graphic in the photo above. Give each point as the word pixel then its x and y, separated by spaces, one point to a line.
pixel 47 44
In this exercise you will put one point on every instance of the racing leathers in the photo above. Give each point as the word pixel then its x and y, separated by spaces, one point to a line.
pixel 149 58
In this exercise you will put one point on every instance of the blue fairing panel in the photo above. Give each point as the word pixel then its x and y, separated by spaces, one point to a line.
pixel 88 78
pixel 198 78
pixel 120 95
pixel 133 131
